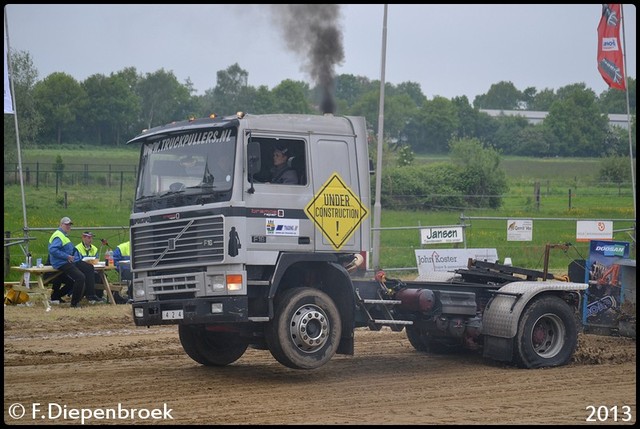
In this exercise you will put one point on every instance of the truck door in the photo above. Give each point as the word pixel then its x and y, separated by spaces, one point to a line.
pixel 276 220
pixel 337 211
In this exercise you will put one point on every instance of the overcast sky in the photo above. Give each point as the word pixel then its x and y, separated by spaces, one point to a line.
pixel 450 50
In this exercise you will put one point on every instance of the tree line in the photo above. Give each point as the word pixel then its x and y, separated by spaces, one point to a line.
pixel 109 110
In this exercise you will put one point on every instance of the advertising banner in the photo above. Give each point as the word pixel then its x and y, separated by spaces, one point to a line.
pixel 443 260
pixel 603 296
pixel 587 230
pixel 441 235
pixel 519 230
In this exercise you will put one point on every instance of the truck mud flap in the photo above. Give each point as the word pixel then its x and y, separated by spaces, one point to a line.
pixel 502 314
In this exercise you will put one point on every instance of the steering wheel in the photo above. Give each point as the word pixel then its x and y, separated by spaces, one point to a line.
pixel 176 186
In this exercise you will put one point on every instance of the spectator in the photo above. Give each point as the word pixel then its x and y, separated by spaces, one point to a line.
pixel 121 253
pixel 61 286
pixel 122 261
pixel 87 249
pixel 65 257
pixel 282 172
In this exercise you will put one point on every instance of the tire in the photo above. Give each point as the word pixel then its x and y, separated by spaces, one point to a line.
pixel 423 342
pixel 418 338
pixel 306 329
pixel 547 334
pixel 211 348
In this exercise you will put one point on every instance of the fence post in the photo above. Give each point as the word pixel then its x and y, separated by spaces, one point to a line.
pixel 569 198
pixel 7 255
pixel 121 183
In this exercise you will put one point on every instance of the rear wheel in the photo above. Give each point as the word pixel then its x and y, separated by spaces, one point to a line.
pixel 547 334
pixel 423 342
pixel 306 329
pixel 211 348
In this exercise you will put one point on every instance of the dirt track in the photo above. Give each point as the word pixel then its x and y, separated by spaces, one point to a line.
pixel 96 359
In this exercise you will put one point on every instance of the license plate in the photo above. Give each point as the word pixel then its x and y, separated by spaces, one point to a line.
pixel 172 315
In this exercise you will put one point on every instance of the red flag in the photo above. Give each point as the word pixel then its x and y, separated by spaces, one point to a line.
pixel 610 58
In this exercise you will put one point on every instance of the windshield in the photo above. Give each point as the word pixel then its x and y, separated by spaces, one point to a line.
pixel 196 164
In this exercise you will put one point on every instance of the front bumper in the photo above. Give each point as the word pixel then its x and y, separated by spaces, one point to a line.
pixel 195 311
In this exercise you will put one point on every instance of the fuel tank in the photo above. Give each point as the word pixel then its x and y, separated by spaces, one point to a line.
pixel 416 299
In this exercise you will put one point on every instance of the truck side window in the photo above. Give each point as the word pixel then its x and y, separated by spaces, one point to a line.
pixel 284 162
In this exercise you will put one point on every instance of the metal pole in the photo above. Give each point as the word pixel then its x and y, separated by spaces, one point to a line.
pixel 624 59
pixel 25 228
pixel 377 208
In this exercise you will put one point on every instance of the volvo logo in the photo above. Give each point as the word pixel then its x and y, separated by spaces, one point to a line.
pixel 171 244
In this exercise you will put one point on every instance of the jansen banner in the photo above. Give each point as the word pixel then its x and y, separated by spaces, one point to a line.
pixel 610 56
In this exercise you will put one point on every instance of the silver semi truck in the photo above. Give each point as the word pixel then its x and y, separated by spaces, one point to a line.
pixel 237 261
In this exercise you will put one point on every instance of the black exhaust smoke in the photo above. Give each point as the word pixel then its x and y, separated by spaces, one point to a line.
pixel 312 32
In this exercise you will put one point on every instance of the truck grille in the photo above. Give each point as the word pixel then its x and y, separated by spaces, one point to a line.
pixel 178 243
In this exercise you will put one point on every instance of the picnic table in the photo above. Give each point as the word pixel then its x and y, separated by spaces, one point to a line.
pixel 40 292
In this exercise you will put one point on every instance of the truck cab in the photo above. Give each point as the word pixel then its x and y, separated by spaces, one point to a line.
pixel 215 244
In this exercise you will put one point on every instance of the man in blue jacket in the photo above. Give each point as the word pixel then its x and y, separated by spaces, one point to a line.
pixel 64 256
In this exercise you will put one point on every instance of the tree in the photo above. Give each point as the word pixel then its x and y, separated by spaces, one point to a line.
pixel 24 77
pixel 263 101
pixel 163 99
pixel 227 94
pixel 436 124
pixel 533 140
pixel 616 169
pixel 505 138
pixel 471 121
pixel 348 90
pixel 289 97
pixel 480 177
pixel 114 106
pixel 543 100
pixel 59 98
pixel 615 101
pixel 502 96
pixel 412 90
pixel 575 121
pixel 124 104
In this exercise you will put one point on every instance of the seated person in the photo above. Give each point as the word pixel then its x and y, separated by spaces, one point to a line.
pixel 122 260
pixel 87 249
pixel 64 256
pixel 122 253
pixel 281 172
pixel 61 286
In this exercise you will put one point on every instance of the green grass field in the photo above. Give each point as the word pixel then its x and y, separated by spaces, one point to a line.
pixel 568 190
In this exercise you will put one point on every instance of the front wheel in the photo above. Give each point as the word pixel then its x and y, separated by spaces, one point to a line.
pixel 547 334
pixel 306 329
pixel 211 348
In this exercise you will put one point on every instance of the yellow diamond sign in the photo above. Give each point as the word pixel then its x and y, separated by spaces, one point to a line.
pixel 337 211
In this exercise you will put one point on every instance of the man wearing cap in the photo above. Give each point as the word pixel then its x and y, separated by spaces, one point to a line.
pixel 87 249
pixel 281 172
pixel 64 256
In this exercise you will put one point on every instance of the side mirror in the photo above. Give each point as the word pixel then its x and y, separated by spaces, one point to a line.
pixel 253 158
pixel 254 162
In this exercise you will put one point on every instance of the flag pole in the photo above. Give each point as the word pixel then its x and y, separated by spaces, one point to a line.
pixel 377 207
pixel 25 228
pixel 624 61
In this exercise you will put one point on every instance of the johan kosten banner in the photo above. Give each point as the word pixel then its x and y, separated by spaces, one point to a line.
pixel 441 260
